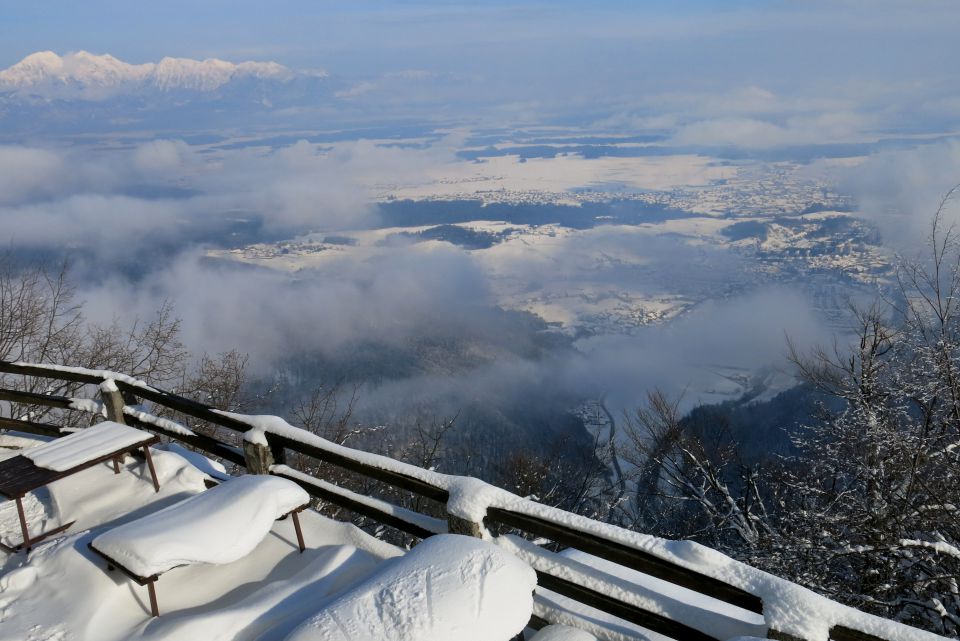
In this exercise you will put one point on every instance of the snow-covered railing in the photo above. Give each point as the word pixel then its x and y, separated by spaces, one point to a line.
pixel 748 602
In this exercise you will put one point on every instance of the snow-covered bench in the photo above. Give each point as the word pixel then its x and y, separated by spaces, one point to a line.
pixel 447 587
pixel 218 526
pixel 40 466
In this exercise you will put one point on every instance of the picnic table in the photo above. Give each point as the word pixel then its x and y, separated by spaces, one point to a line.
pixel 39 466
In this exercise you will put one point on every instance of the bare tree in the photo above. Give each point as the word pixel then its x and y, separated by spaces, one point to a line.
pixel 41 321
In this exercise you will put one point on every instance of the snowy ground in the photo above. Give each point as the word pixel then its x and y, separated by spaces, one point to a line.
pixel 348 585
pixel 62 591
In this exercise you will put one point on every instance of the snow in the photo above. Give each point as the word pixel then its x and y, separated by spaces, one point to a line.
pixel 164 423
pixel 63 592
pixel 256 437
pixel 788 607
pixel 88 405
pixel 695 610
pixel 559 175
pixel 218 526
pixel 86 445
pixel 97 495
pixel 562 633
pixel 98 373
pixel 429 523
pixel 15 441
pixel 213 469
pixel 447 587
pixel 94 76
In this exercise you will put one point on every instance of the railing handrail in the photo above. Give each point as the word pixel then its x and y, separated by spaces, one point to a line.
pixel 416 480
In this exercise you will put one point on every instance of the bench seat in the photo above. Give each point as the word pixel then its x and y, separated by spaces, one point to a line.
pixel 218 526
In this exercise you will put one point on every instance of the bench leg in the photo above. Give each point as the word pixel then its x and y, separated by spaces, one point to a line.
pixel 116 465
pixel 296 526
pixel 153 471
pixel 152 591
pixel 23 525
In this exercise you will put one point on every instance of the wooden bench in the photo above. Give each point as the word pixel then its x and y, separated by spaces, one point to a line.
pixel 42 465
pixel 218 526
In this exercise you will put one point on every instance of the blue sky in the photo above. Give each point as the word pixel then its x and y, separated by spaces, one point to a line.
pixel 356 34
pixel 890 63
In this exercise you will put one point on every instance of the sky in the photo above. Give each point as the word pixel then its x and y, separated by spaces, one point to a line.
pixel 714 76
pixel 608 52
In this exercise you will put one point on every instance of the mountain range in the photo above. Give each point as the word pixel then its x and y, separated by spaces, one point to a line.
pixel 86 76
pixel 81 90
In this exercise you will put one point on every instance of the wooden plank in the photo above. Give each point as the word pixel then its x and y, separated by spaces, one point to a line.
pixel 116 565
pixel 843 633
pixel 629 557
pixel 19 475
pixel 360 508
pixel 397 479
pixel 185 406
pixel 203 442
pixel 29 427
pixel 626 611
pixel 40 371
pixel 32 398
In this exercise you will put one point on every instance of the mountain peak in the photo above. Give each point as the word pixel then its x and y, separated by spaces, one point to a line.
pixel 90 76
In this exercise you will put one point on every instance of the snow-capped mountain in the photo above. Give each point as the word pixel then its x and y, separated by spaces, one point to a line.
pixel 86 76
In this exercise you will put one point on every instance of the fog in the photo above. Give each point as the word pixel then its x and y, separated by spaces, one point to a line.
pixel 427 325
pixel 93 199
pixel 900 191
pixel 422 324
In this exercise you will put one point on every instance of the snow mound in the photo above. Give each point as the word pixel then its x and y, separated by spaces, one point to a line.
pixel 562 633
pixel 448 587
pixel 218 526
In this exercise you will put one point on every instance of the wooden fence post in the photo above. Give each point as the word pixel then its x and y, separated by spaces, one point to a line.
pixel 457 525
pixel 113 401
pixel 256 452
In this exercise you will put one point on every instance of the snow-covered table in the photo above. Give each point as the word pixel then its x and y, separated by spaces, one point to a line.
pixel 40 466
pixel 218 526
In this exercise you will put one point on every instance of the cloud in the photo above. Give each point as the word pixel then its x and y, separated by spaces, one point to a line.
pixel 27 173
pixel 356 90
pixel 692 353
pixel 110 226
pixel 899 190
pixel 752 133
pixel 161 155
pixel 123 201
pixel 390 299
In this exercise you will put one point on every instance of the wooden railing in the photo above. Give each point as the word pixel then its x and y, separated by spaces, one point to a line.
pixel 118 402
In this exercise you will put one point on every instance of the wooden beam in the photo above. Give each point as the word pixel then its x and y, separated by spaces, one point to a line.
pixel 843 633
pixel 185 406
pixel 627 556
pixel 29 427
pixel 397 479
pixel 360 508
pixel 40 371
pixel 33 398
pixel 203 442
pixel 626 611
